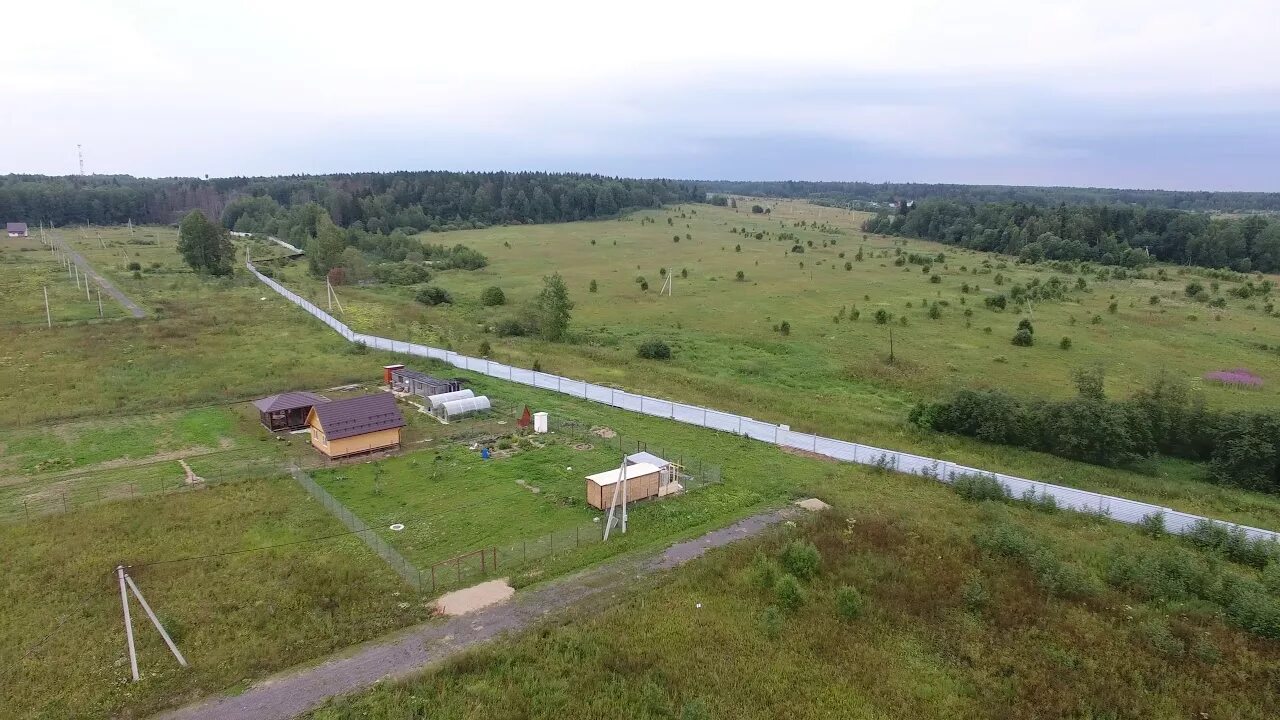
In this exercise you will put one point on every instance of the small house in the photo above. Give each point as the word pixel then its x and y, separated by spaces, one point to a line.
pixel 286 411
pixel 16 229
pixel 403 380
pixel 356 425
pixel 643 481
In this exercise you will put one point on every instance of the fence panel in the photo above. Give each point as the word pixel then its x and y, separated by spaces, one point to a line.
pixel 1119 508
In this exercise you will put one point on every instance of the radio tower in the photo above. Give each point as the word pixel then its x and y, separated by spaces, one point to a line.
pixel 80 154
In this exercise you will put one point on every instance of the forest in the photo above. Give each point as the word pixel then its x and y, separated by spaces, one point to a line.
pixel 1110 234
pixel 858 194
pixel 376 202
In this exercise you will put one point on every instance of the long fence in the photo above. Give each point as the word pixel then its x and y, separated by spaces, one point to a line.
pixel 1117 508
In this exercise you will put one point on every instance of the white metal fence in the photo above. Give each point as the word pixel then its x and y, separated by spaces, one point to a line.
pixel 1121 509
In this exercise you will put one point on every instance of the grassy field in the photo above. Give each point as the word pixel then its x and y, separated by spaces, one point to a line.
pixel 234 617
pixel 115 401
pixel 31 269
pixel 947 628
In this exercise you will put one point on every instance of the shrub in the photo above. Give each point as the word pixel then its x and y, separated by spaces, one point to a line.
pixel 935 279
pixel 644 285
pixel 802 559
pixel 654 350
pixel 849 603
pixel 882 317
pixel 135 266
pixel 848 265
pixel 974 594
pixel 740 276
pixel 1152 524
pixel 976 488
pixel 485 350
pixel 510 327
pixel 1023 338
pixel 493 296
pixel 771 622
pixel 996 302
pixel 432 295
pixel 764 571
pixel 935 312
pixel 791 594
pixel 1157 634
pixel 784 327
pixel 1065 343
pixel 593 287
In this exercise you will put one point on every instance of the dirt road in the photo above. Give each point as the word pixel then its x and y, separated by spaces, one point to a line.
pixel 294 692
pixel 87 270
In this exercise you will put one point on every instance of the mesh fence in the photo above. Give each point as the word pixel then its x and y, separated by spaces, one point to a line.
pixel 1121 509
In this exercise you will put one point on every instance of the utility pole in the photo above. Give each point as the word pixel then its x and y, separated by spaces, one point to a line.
pixel 891 359
pixel 128 623
pixel 99 302
pixel 48 317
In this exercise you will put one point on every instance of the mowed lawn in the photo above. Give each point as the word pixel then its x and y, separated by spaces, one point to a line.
pixel 62 644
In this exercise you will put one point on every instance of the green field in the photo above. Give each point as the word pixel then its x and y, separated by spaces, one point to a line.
pixel 91 411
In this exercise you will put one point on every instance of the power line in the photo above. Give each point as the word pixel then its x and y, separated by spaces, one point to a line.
pixel 244 550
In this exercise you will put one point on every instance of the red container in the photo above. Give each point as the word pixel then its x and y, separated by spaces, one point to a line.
pixel 386 372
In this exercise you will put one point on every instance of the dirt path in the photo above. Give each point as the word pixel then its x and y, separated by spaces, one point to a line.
pixel 294 692
pixel 106 284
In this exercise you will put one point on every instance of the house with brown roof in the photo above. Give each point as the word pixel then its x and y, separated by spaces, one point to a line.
pixel 286 411
pixel 355 425
pixel 16 229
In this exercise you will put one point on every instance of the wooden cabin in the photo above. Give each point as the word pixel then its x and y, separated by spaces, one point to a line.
pixel 356 425
pixel 286 411
pixel 643 481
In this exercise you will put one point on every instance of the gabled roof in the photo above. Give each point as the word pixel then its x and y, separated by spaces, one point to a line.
pixel 358 415
pixel 15 227
pixel 288 401
pixel 646 457
pixel 609 477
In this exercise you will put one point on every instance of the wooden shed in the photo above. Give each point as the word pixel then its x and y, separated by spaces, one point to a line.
pixel 643 481
pixel 286 411
pixel 356 425
pixel 418 383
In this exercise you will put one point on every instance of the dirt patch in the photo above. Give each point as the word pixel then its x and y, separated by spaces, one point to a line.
pixel 461 602
pixel 584 446
pixel 813 505
pixel 604 432
pixel 806 454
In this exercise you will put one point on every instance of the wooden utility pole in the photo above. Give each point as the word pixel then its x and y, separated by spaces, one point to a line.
pixel 99 302
pixel 128 623
pixel 48 317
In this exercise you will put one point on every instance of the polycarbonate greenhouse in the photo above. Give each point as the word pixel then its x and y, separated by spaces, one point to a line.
pixel 442 398
pixel 463 406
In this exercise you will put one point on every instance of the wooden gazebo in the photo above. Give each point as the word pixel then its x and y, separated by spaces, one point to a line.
pixel 287 411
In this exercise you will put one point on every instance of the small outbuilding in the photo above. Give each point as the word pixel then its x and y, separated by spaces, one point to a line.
pixel 668 472
pixel 403 380
pixel 16 229
pixel 450 410
pixel 356 425
pixel 286 411
pixel 643 481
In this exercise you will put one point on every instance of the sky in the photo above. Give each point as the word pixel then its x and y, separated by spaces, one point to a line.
pixel 1170 94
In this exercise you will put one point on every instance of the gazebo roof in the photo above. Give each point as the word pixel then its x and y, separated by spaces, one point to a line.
pixel 288 401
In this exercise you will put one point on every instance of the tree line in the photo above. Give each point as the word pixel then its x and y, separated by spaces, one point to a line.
pixel 376 202
pixel 859 194
pixel 1109 234
pixel 1241 448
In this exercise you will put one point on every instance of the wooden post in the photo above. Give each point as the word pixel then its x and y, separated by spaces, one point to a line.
pixel 48 317
pixel 433 578
pixel 128 623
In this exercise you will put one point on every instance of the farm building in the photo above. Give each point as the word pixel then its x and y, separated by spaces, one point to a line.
pixel 16 229
pixel 355 425
pixel 643 481
pixel 402 379
pixel 286 411
pixel 450 410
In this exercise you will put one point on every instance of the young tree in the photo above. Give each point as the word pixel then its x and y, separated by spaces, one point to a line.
pixel 551 309
pixel 205 246
pixel 324 251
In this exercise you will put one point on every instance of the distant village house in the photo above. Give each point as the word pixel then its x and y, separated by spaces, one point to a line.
pixel 16 229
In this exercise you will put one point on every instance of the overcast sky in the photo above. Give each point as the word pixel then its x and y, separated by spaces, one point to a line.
pixel 1166 94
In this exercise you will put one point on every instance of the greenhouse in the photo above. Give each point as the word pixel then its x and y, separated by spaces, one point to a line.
pixel 453 409
pixel 442 398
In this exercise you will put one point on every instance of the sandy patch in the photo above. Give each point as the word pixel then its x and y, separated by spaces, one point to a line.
pixel 813 505
pixel 461 602
pixel 603 432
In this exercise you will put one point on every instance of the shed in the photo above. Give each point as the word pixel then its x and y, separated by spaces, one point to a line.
pixel 16 229
pixel 356 425
pixel 435 401
pixel 643 481
pixel 453 409
pixel 645 456
pixel 286 411
pixel 418 383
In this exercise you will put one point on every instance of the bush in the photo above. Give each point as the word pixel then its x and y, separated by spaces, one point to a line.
pixel 976 488
pixel 802 559
pixel 593 287
pixel 974 594
pixel 791 594
pixel 654 350
pixel 510 327
pixel 432 295
pixel 485 350
pixel 849 603
pixel 996 302
pixel 1152 524
pixel 784 327
pixel 882 317
pixel 764 571
pixel 740 276
pixel 493 296
pixel 1023 338
pixel 1065 343
pixel 135 266
pixel 771 622
pixel 935 279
